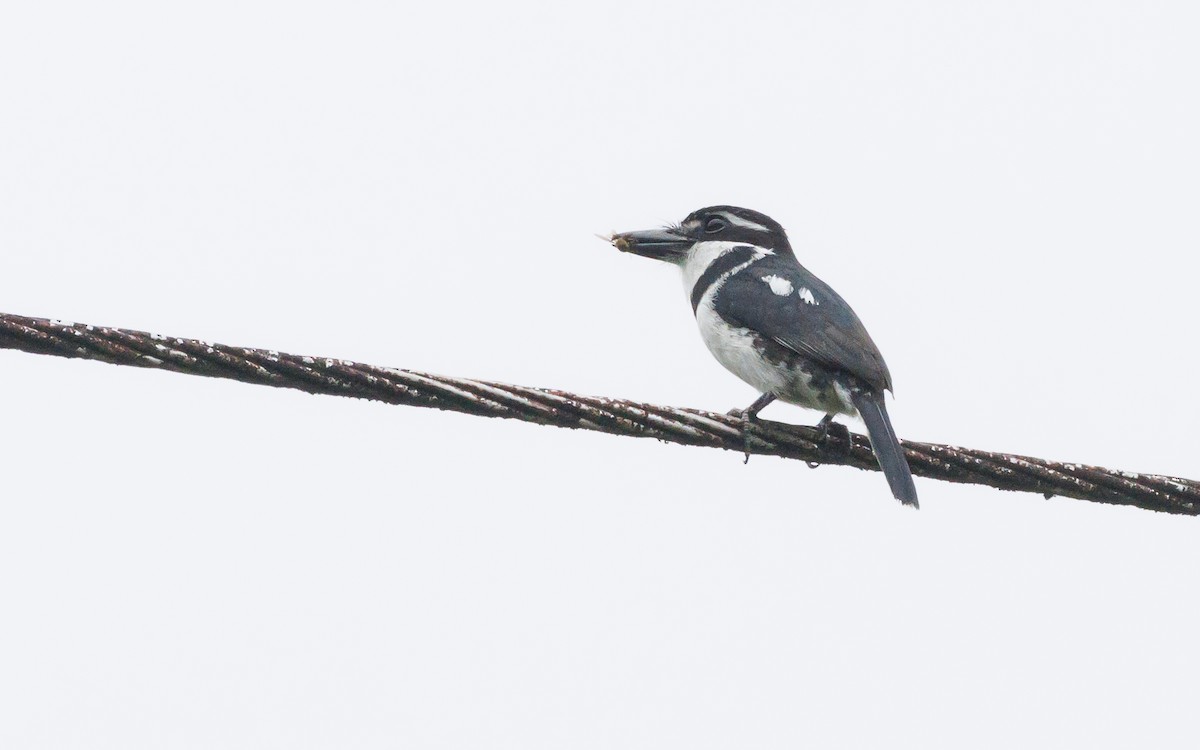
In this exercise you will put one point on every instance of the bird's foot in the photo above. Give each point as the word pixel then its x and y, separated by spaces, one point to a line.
pixel 750 414
pixel 747 417
pixel 829 435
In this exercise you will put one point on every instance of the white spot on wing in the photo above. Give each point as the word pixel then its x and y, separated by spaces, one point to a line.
pixel 779 285
pixel 807 295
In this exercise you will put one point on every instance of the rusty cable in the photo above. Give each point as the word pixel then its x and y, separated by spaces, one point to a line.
pixel 339 377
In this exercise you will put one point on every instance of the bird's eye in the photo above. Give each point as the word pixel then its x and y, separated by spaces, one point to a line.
pixel 713 226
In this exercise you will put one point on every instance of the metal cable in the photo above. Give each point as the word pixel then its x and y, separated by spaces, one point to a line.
pixel 561 409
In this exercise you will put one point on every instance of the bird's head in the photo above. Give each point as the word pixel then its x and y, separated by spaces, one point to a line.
pixel 712 224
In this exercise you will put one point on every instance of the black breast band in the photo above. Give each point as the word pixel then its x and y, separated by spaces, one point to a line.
pixel 718 268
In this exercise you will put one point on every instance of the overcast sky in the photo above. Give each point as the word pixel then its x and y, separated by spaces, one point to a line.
pixel 1005 192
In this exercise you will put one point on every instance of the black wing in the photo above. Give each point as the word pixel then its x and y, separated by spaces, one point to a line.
pixel 810 319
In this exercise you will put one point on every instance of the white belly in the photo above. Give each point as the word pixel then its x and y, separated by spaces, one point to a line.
pixel 734 348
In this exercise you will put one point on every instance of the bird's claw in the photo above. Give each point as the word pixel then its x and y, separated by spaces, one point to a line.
pixel 831 433
pixel 746 417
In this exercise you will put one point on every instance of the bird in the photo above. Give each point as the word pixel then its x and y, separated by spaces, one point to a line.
pixel 777 326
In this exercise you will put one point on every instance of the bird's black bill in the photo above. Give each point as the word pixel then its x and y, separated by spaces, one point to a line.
pixel 660 244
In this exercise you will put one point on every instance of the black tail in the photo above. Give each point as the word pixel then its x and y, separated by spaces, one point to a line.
pixel 886 445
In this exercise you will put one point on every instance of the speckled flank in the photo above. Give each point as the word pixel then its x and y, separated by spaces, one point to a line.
pixel 767 365
pixel 807 295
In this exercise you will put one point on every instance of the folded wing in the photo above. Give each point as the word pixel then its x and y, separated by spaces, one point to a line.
pixel 804 314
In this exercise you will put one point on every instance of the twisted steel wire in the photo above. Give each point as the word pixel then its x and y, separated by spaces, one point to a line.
pixel 340 377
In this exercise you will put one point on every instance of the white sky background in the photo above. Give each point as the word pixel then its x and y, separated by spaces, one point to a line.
pixel 1005 192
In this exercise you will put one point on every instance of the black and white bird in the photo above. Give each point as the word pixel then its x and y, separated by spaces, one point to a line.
pixel 775 325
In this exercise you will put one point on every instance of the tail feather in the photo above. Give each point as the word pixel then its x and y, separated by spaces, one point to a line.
pixel 886 445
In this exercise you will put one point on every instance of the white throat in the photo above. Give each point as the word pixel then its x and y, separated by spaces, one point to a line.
pixel 704 254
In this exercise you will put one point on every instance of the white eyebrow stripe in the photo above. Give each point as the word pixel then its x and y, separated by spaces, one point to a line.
pixel 738 221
